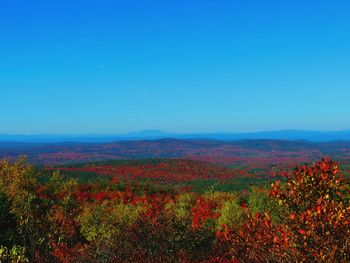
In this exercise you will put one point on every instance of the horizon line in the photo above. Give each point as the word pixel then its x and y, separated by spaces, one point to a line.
pixel 171 132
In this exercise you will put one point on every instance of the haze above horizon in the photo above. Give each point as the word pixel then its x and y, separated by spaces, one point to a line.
pixel 111 67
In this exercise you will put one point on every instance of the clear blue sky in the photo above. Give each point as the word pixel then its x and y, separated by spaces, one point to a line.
pixel 83 66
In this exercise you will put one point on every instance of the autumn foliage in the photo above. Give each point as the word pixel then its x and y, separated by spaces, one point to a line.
pixel 317 212
pixel 304 218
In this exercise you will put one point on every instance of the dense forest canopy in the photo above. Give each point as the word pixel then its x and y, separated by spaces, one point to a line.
pixel 48 215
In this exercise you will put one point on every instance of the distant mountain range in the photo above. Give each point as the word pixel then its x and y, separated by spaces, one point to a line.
pixel 314 136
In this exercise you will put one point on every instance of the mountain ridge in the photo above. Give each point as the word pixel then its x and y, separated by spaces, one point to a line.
pixel 308 135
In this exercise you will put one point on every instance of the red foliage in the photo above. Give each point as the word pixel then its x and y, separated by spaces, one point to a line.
pixel 65 254
pixel 167 171
pixel 203 211
pixel 258 241
pixel 317 211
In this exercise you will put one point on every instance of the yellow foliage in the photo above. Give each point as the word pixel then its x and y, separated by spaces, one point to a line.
pixel 231 215
pixel 104 221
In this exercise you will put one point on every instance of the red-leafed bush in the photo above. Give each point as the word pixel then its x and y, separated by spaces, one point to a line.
pixel 316 212
pixel 259 240
pixel 203 211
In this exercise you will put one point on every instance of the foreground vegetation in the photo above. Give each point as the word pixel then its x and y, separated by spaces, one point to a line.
pixel 52 218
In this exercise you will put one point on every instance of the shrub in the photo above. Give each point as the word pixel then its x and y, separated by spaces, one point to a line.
pixel 317 212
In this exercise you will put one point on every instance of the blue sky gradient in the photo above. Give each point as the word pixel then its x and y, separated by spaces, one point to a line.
pixel 182 66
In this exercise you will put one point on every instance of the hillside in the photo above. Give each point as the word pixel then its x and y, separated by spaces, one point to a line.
pixel 274 151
